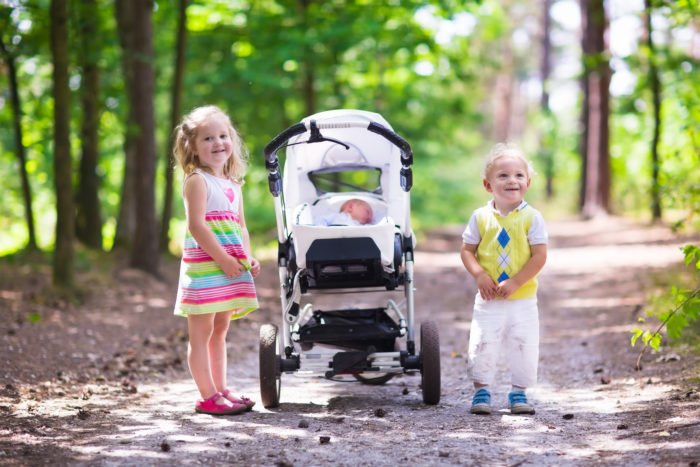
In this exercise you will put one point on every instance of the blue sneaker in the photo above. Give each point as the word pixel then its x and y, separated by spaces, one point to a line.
pixel 481 404
pixel 519 404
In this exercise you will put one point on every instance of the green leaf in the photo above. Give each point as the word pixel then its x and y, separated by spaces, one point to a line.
pixel 635 335
pixel 34 317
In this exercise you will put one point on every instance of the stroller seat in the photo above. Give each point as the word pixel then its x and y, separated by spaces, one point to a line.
pixel 308 227
pixel 345 256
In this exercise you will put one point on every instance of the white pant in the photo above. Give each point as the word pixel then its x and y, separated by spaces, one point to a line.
pixel 509 324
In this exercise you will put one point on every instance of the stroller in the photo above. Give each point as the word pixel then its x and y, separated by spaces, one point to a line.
pixel 332 157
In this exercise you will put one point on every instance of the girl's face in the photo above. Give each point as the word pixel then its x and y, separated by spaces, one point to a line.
pixel 213 144
pixel 508 181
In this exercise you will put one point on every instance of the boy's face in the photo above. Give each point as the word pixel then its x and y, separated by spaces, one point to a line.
pixel 508 181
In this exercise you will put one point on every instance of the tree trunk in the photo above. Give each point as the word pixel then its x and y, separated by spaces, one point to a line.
pixel 503 94
pixel 126 220
pixel 176 112
pixel 144 252
pixel 655 84
pixel 308 77
pixel 63 267
pixel 596 172
pixel 546 140
pixel 88 217
pixel 19 146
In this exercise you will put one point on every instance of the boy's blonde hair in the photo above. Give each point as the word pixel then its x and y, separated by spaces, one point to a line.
pixel 186 133
pixel 502 150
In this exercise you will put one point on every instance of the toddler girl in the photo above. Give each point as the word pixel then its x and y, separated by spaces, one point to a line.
pixel 217 269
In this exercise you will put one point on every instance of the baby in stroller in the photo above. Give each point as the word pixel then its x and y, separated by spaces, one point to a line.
pixel 354 211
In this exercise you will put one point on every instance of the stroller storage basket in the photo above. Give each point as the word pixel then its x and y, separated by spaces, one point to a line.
pixel 354 329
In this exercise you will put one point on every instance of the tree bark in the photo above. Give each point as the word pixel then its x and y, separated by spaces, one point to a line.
pixel 19 146
pixel 63 266
pixel 503 94
pixel 144 252
pixel 308 76
pixel 595 144
pixel 545 70
pixel 655 85
pixel 176 112
pixel 126 220
pixel 88 216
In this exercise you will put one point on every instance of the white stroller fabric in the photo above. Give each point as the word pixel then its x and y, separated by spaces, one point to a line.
pixel 304 206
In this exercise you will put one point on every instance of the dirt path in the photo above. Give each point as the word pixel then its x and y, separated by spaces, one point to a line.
pixel 105 383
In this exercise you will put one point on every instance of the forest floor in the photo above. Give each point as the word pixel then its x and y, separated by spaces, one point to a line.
pixel 105 382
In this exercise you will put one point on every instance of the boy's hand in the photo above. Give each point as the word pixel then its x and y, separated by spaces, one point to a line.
pixel 254 267
pixel 507 288
pixel 487 287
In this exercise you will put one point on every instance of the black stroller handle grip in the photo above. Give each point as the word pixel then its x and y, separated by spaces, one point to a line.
pixel 396 140
pixel 279 141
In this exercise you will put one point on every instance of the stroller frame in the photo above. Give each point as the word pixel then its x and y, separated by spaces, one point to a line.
pixel 366 338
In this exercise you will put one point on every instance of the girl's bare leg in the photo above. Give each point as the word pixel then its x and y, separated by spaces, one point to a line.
pixel 201 328
pixel 217 349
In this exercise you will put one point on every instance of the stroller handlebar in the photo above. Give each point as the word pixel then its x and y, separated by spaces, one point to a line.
pixel 272 162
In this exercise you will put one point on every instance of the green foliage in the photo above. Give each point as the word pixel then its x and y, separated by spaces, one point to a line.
pixel 684 310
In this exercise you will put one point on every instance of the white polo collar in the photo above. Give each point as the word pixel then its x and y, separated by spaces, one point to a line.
pixel 520 207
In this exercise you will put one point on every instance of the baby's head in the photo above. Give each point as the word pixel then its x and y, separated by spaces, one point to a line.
pixel 186 133
pixel 358 209
pixel 505 150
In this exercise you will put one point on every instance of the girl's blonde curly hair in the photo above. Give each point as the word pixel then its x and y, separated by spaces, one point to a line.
pixel 186 133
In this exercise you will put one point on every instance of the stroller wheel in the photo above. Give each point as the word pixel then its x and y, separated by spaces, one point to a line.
pixel 270 361
pixel 373 379
pixel 430 362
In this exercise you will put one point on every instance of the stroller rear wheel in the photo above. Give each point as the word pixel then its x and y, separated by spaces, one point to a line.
pixel 430 362
pixel 270 366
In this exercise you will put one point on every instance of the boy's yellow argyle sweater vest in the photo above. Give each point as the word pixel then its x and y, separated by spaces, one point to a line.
pixel 504 248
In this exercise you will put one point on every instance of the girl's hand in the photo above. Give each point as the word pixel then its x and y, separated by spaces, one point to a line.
pixel 254 267
pixel 232 267
pixel 507 288
pixel 487 287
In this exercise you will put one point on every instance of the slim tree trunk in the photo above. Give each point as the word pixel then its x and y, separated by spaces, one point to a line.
pixel 308 76
pixel 655 84
pixel 144 252
pixel 89 219
pixel 176 112
pixel 545 70
pixel 63 267
pixel 503 94
pixel 19 146
pixel 126 220
pixel 596 172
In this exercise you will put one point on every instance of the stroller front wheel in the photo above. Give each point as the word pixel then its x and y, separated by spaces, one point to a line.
pixel 270 366
pixel 430 362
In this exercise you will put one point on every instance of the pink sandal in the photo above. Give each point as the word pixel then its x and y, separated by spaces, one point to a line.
pixel 249 403
pixel 210 406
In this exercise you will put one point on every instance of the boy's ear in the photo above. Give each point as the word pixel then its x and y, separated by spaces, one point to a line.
pixel 487 185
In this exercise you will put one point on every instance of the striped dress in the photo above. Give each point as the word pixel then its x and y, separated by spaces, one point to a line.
pixel 203 287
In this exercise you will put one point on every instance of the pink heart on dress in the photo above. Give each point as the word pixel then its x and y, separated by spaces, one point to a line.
pixel 229 194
